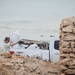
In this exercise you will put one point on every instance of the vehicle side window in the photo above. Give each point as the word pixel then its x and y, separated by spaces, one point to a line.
pixel 56 45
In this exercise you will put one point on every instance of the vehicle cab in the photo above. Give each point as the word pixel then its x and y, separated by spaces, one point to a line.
pixel 54 49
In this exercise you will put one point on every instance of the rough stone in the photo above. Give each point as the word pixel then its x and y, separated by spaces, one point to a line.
pixel 72 67
pixel 64 55
pixel 68 29
pixel 8 65
pixel 70 71
pixel 62 74
pixel 72 55
pixel 7 55
pixel 38 71
pixel 66 61
pixel 73 44
pixel 73 30
pixel 63 68
pixel 17 66
pixel 69 37
pixel 67 46
pixel 67 50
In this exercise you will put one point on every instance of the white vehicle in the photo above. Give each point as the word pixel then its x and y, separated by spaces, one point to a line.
pixel 50 54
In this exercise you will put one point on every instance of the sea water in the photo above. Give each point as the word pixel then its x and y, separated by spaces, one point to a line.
pixel 33 19
pixel 26 31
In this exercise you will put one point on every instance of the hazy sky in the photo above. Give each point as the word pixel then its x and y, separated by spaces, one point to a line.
pixel 47 11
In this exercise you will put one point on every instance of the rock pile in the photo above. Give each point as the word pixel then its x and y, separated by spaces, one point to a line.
pixel 67 46
pixel 25 65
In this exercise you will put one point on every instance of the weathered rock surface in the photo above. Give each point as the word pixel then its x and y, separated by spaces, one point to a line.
pixel 25 65
pixel 67 46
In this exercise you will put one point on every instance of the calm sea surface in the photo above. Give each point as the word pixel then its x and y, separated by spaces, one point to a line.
pixel 26 31
pixel 34 19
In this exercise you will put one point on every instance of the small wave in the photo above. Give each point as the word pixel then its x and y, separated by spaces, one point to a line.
pixel 2 27
pixel 22 21
pixel 10 22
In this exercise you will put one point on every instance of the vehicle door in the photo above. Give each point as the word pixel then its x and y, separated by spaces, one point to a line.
pixel 54 49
